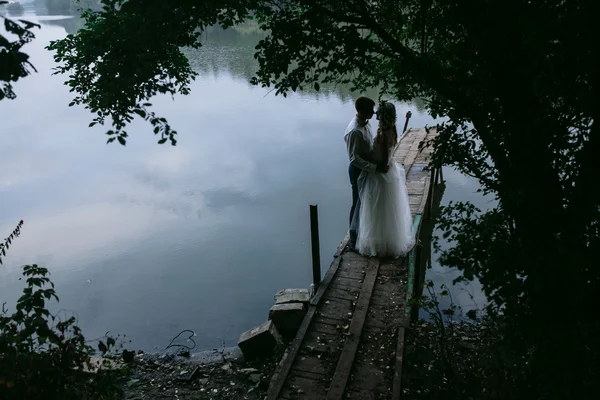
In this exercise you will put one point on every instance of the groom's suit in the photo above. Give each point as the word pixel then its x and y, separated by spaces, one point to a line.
pixel 359 143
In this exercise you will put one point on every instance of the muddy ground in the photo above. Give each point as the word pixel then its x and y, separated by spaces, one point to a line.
pixel 218 375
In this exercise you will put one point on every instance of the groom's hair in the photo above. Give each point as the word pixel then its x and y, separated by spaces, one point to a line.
pixel 364 104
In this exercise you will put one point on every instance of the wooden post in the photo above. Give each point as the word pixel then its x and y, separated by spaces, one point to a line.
pixel 429 203
pixel 314 239
pixel 408 115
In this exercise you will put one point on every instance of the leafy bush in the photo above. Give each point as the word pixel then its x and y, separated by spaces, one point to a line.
pixel 43 356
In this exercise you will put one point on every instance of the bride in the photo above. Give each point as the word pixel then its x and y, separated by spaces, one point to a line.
pixel 385 228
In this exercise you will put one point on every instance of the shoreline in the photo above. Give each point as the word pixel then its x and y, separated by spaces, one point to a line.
pixel 210 374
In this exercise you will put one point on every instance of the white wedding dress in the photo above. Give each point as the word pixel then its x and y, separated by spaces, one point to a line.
pixel 385 227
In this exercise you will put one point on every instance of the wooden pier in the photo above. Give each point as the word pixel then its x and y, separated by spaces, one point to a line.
pixel 350 344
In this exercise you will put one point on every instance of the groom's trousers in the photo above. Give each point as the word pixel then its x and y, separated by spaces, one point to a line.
pixel 354 174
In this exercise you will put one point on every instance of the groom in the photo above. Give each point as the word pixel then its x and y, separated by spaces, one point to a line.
pixel 359 143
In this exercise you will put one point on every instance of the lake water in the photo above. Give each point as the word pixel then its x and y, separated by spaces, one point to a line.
pixel 148 240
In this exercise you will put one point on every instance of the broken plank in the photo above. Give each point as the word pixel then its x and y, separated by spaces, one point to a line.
pixel 282 373
pixel 344 365
pixel 397 380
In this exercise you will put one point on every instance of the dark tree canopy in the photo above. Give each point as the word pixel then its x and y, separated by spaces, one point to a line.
pixel 14 64
pixel 131 51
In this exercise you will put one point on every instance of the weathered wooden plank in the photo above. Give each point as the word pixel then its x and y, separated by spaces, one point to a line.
pixel 341 296
pixel 284 368
pixel 325 328
pixel 329 321
pixel 335 314
pixel 367 377
pixel 344 365
pixel 381 302
pixel 397 381
pixel 414 149
pixel 328 340
pixel 387 293
pixel 361 395
pixel 340 249
pixel 386 297
pixel 418 191
pixel 418 172
pixel 282 373
pixel 414 199
pixel 351 273
pixel 423 203
pixel 311 347
pixel 337 288
pixel 305 388
pixel 312 363
pixel 413 209
pixel 354 262
pixel 340 286
pixel 386 286
pixel 330 273
pixel 350 282
pixel 335 309
pixel 378 320
pixel 404 145
pixel 425 154
pixel 330 301
pixel 309 374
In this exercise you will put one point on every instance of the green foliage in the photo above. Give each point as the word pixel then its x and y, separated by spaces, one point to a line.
pixel 14 64
pixel 8 241
pixel 131 51
pixel 45 357
pixel 518 84
pixel 449 356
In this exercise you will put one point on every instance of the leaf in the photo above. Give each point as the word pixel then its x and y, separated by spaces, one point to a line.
pixel 102 347
pixel 162 141
pixel 317 86
pixel 112 139
pixel 472 314
pixel 122 140
pixel 132 383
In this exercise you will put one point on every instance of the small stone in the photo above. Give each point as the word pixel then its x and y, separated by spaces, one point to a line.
pixel 254 378
pixel 286 296
pixel 248 370
pixel 203 381
pixel 259 341
pixel 287 318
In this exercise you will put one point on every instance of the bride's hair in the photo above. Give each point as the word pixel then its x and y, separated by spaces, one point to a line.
pixel 386 131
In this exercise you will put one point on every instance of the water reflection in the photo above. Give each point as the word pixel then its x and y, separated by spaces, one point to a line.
pixel 148 240
pixel 232 51
pixel 69 24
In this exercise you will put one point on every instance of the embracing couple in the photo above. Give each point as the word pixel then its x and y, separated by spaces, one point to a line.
pixel 380 219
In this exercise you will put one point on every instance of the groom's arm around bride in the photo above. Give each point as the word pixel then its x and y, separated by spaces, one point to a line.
pixel 359 141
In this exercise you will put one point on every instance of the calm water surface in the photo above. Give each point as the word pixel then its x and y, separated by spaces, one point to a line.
pixel 148 240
